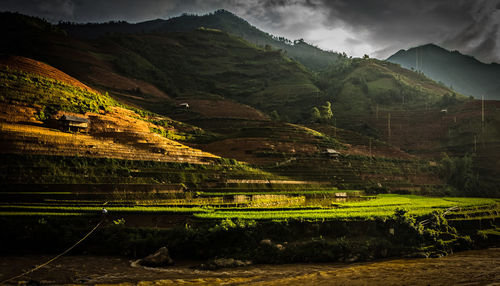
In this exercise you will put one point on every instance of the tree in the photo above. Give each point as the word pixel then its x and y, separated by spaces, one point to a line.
pixel 326 111
pixel 275 116
pixel 315 114
pixel 459 173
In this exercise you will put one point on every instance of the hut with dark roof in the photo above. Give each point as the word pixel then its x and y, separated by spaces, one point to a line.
pixel 73 123
pixel 331 153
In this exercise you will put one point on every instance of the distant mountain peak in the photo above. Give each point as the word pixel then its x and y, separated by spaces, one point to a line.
pixel 464 73
pixel 223 12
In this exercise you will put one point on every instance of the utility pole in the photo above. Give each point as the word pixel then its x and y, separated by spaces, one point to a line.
pixel 389 125
pixel 482 113
pixel 416 59
pixel 475 144
pixel 370 149
pixel 421 62
pixel 335 130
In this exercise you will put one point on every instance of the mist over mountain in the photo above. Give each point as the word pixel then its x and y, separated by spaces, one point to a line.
pixel 463 73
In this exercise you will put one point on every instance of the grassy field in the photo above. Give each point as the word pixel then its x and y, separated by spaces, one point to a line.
pixel 380 206
pixel 53 95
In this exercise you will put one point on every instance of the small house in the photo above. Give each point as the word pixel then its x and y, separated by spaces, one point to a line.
pixel 331 153
pixel 73 123
pixel 184 105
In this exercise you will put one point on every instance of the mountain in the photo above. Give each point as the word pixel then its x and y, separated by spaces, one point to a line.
pixel 359 88
pixel 233 89
pixel 161 70
pixel 42 94
pixel 135 148
pixel 463 73
pixel 310 56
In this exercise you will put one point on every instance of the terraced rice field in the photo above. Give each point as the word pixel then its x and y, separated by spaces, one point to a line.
pixel 267 207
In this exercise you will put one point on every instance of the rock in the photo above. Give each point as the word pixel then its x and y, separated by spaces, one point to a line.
pixel 279 247
pixel 266 241
pixel 351 259
pixel 81 280
pixel 158 259
pixel 436 255
pixel 418 255
pixel 224 263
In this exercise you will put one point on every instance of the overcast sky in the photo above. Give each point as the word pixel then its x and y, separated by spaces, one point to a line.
pixel 375 27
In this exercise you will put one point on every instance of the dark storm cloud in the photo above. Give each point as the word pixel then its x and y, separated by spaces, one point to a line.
pixel 379 28
pixel 49 10
pixel 393 24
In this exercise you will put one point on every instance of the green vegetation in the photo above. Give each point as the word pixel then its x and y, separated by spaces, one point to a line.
pixel 45 169
pixel 255 73
pixel 459 173
pixel 45 210
pixel 221 20
pixel 212 208
pixel 382 206
pixel 464 73
pixel 268 241
pixel 300 191
pixel 51 95
pixel 325 115
pixel 277 206
pixel 358 86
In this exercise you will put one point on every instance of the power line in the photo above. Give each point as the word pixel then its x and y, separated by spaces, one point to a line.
pixel 55 258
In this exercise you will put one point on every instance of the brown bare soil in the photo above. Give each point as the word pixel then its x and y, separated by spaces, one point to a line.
pixel 224 109
pixel 86 62
pixel 425 131
pixel 248 149
pixel 107 79
pixel 39 68
pixel 358 144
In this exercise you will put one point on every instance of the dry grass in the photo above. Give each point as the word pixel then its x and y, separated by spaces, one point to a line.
pixel 114 135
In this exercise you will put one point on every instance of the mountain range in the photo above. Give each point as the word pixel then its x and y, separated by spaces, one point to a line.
pixel 310 56
pixel 463 73
pixel 257 98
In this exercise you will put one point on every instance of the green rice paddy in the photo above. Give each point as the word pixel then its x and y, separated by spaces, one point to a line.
pixel 380 206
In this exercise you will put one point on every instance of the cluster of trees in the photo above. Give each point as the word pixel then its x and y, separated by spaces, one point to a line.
pixel 322 114
pixel 449 100
pixel 317 114
pixel 459 174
